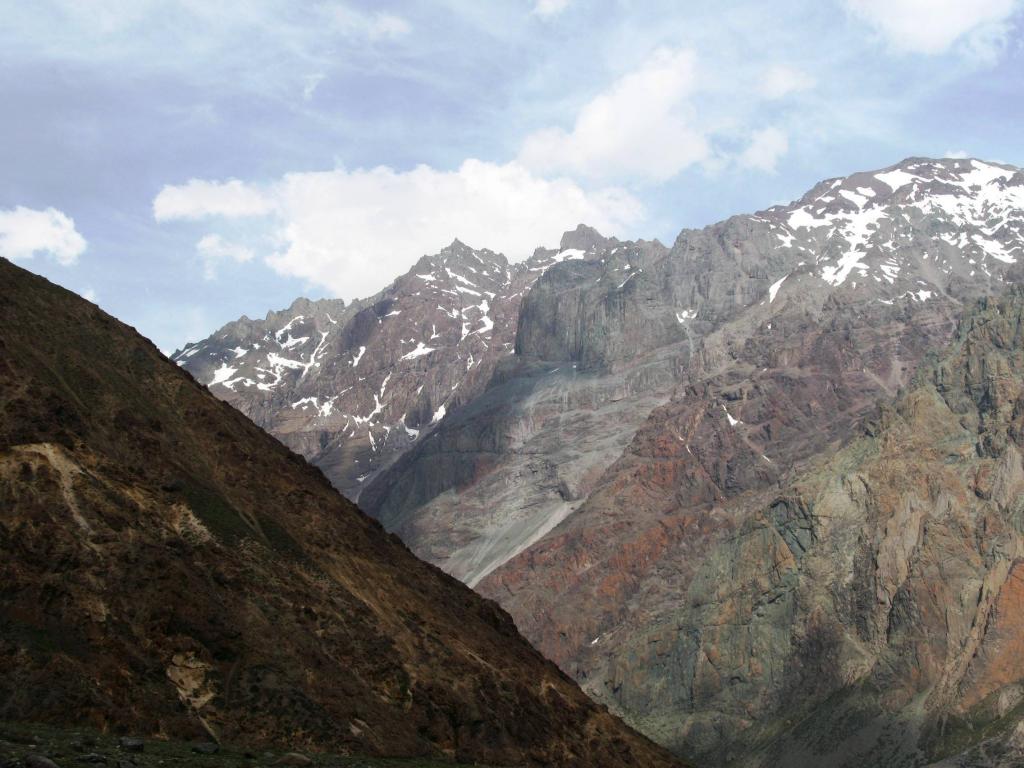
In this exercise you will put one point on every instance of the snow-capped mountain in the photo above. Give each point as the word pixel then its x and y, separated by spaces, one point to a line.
pixel 595 453
pixel 923 222
pixel 657 399
pixel 351 386
pixel 635 319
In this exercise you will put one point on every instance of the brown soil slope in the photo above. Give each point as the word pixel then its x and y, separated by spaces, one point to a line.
pixel 168 568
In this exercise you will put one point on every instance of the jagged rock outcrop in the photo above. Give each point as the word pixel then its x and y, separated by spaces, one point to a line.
pixel 839 293
pixel 351 387
pixel 866 610
pixel 168 569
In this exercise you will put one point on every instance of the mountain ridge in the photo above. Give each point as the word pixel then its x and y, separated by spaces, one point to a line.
pixel 171 569
pixel 655 390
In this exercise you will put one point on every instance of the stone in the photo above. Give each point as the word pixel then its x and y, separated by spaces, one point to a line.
pixel 132 744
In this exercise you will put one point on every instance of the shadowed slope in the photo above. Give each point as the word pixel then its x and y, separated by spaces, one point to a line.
pixel 169 568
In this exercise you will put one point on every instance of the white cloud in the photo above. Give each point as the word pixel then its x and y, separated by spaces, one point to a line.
pixel 764 150
pixel 548 8
pixel 643 126
pixel 780 81
pixel 372 26
pixel 351 231
pixel 89 294
pixel 956 154
pixel 199 199
pixel 311 84
pixel 214 249
pixel 24 232
pixel 933 26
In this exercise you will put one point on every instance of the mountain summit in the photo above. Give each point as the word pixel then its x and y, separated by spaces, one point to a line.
pixel 351 387
pixel 354 387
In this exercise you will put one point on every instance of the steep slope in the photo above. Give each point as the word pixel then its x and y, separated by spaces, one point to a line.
pixel 762 341
pixel 170 569
pixel 867 610
pixel 352 387
pixel 506 468
pixel 603 341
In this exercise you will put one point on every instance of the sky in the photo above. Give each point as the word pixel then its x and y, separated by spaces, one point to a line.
pixel 185 162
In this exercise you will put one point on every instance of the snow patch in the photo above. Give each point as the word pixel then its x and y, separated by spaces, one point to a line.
pixel 773 289
pixel 222 374
pixel 438 415
pixel 732 422
pixel 853 197
pixel 897 179
pixel 421 350
pixel 287 327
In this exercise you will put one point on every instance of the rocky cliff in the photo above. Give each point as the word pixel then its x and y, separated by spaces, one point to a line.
pixel 807 312
pixel 865 610
pixel 171 570
pixel 351 387
pixel 657 396
pixel 652 393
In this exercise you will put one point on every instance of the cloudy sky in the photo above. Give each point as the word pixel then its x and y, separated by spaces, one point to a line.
pixel 184 162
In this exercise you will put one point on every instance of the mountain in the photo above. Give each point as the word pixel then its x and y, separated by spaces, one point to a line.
pixel 169 569
pixel 867 610
pixel 657 397
pixel 351 387
pixel 741 306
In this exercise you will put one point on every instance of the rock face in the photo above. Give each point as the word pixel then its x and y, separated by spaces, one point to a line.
pixel 808 312
pixel 169 569
pixel 653 392
pixel 602 482
pixel 352 387
pixel 506 468
pixel 866 610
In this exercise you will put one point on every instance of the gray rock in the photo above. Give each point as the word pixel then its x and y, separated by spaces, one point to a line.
pixel 132 744
pixel 83 743
pixel 386 368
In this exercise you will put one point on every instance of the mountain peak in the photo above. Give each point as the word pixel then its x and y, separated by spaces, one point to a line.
pixel 460 251
pixel 873 224
pixel 583 237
